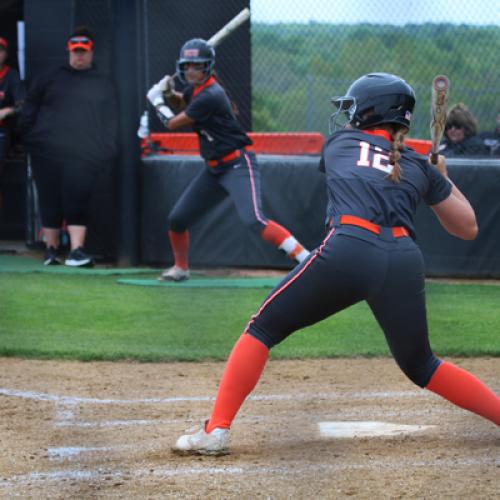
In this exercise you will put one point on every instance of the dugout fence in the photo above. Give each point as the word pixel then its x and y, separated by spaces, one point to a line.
pixel 281 69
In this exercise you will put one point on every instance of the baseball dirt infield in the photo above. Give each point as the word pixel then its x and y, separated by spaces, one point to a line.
pixel 73 429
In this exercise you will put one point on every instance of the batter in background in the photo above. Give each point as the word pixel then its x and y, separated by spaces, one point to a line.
pixel 231 166
pixel 374 187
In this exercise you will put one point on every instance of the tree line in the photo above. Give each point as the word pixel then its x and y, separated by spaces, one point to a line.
pixel 297 68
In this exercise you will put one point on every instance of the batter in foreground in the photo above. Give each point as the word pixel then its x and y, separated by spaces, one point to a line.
pixel 374 187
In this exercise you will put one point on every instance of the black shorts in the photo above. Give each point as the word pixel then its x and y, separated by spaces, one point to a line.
pixel 64 189
pixel 240 180
pixel 352 265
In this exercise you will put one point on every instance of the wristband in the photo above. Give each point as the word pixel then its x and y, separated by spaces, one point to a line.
pixel 165 114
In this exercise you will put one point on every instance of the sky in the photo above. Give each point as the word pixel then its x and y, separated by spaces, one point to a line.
pixel 399 12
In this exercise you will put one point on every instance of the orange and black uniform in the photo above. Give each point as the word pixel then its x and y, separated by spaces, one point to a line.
pixel 231 169
pixel 70 125
pixel 11 95
pixel 369 254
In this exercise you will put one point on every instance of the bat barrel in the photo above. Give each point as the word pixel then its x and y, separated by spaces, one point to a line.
pixel 233 24
pixel 441 83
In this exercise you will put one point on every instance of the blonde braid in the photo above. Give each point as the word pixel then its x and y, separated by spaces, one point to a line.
pixel 395 156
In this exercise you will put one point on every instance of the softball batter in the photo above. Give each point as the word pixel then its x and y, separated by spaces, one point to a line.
pixel 374 187
pixel 231 167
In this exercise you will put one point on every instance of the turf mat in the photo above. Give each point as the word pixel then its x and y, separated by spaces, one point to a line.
pixel 23 264
pixel 206 283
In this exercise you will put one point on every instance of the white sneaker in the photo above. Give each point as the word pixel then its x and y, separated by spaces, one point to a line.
pixel 174 273
pixel 199 442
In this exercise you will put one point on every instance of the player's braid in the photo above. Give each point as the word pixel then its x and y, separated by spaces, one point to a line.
pixel 395 156
pixel 234 106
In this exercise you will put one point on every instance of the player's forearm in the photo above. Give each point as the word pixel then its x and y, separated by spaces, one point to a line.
pixel 180 121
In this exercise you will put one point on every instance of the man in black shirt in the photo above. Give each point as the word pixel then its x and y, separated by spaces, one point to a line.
pixel 70 129
pixel 231 168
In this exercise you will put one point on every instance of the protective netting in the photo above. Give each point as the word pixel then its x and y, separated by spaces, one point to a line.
pixel 303 53
pixel 282 68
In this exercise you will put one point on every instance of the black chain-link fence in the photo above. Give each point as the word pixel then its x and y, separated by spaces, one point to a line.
pixel 303 53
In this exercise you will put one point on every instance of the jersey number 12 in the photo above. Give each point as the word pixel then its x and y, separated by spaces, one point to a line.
pixel 378 161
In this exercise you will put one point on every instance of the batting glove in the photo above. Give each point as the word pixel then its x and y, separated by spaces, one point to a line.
pixel 169 90
pixel 164 113
pixel 155 93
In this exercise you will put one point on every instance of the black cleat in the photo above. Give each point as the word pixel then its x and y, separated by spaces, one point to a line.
pixel 51 257
pixel 78 258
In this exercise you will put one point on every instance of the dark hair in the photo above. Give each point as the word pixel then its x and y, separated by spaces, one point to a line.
pixel 397 133
pixel 460 116
pixel 83 31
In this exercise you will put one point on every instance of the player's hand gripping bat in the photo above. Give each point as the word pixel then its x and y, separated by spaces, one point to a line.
pixel 438 113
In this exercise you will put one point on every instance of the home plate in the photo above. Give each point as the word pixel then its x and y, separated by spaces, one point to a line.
pixel 367 429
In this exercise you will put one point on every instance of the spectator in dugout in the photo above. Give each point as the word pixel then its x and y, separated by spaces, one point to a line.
pixel 461 134
pixel 492 139
pixel 11 99
pixel 69 126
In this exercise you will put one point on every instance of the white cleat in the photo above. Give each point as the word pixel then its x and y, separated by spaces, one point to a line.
pixel 174 273
pixel 199 442
pixel 302 255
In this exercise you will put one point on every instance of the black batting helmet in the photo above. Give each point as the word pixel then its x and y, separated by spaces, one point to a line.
pixel 375 99
pixel 196 50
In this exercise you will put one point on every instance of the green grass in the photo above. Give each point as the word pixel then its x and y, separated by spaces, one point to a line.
pixel 94 318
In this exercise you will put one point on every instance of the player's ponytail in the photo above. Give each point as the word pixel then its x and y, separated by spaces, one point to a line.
pixel 395 155
pixel 234 106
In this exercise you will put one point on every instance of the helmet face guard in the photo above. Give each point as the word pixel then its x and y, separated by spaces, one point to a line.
pixel 346 107
pixel 196 51
pixel 374 99
pixel 208 67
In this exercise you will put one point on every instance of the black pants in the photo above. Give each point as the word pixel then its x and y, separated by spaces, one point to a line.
pixel 240 180
pixel 4 143
pixel 353 265
pixel 64 189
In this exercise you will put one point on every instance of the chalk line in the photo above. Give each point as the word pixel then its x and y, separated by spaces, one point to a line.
pixel 74 400
pixel 64 452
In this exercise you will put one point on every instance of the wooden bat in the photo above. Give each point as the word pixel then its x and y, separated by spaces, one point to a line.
pixel 232 25
pixel 439 98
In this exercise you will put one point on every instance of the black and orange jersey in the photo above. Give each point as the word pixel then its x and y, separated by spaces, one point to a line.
pixel 357 166
pixel 11 89
pixel 218 130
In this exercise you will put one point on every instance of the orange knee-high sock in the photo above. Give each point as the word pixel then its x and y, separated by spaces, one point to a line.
pixel 243 370
pixel 280 237
pixel 180 247
pixel 465 390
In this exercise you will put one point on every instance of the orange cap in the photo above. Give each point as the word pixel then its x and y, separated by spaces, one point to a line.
pixel 80 42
